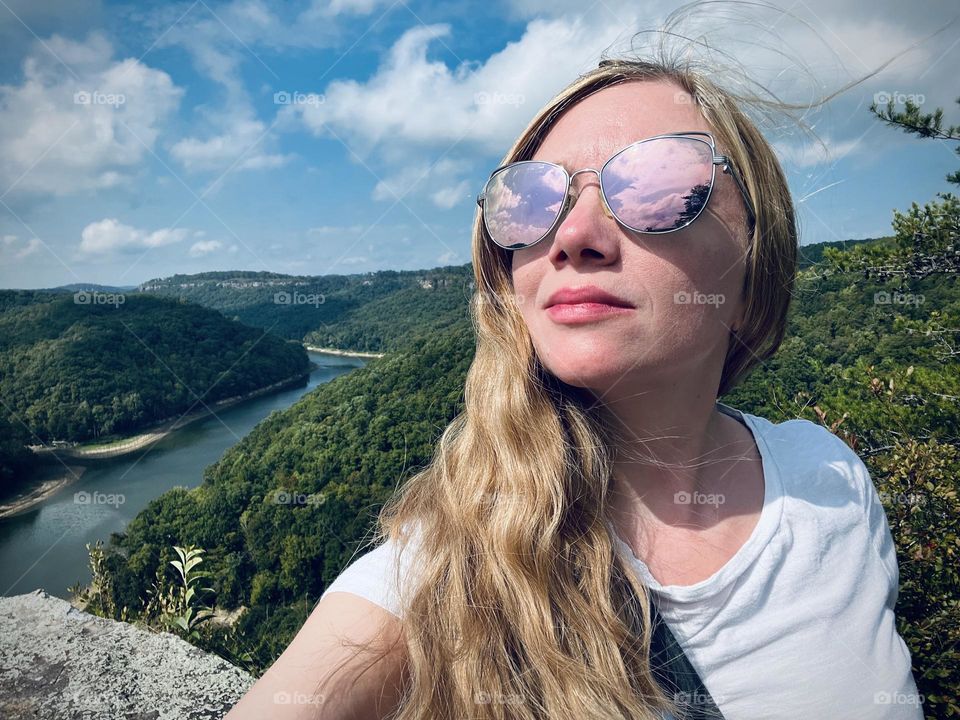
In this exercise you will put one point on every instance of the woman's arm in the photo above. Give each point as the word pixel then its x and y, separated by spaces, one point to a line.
pixel 307 680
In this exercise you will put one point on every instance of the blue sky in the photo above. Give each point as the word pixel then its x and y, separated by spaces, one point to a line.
pixel 138 141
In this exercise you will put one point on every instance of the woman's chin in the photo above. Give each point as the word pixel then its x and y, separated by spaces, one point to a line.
pixel 591 371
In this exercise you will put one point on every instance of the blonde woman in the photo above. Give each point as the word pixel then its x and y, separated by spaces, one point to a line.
pixel 634 257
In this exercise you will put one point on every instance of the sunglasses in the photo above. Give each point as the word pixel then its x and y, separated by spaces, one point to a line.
pixel 653 186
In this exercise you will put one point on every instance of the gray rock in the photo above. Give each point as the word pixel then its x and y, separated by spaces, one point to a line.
pixel 58 662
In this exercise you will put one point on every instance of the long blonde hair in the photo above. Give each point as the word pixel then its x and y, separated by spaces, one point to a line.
pixel 522 605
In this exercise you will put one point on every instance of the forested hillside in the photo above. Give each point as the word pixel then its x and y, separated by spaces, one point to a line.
pixel 284 509
pixel 78 370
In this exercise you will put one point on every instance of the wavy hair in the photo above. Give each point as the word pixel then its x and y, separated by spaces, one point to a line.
pixel 523 607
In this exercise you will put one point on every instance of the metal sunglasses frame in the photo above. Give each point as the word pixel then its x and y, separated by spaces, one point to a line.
pixel 696 135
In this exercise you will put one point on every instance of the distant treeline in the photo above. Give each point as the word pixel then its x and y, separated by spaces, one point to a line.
pixel 370 311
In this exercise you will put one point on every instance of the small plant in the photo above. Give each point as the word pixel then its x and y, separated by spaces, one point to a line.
pixel 97 597
pixel 189 611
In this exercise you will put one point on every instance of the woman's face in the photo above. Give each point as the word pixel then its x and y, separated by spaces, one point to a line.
pixel 684 286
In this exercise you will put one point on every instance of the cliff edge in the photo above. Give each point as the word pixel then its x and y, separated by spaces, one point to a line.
pixel 58 662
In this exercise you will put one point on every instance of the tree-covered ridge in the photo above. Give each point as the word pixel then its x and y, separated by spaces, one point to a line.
pixel 19 298
pixel 296 306
pixel 438 301
pixel 810 255
pixel 74 368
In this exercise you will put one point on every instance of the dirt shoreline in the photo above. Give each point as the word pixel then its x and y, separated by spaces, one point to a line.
pixel 51 479
pixel 97 451
pixel 57 459
pixel 346 353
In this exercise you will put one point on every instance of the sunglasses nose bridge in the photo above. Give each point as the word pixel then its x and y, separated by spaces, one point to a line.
pixel 575 195
pixel 570 188
pixel 595 172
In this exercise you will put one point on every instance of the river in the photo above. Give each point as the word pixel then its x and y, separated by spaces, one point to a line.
pixel 45 547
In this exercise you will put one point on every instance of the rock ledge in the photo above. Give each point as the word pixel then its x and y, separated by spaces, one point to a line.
pixel 57 662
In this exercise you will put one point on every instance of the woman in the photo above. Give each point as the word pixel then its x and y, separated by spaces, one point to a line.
pixel 593 469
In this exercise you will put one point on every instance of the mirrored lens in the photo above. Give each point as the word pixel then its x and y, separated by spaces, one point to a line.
pixel 522 203
pixel 659 185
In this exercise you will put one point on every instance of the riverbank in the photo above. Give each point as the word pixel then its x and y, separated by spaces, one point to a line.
pixel 49 480
pixel 179 461
pixel 92 452
pixel 345 353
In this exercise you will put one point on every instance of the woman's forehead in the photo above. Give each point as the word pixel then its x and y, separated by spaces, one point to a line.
pixel 606 121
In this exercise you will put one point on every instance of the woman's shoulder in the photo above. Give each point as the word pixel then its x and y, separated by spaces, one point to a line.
pixel 820 470
pixel 380 574
pixel 812 454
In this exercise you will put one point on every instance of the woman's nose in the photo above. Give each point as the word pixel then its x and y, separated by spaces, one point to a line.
pixel 586 227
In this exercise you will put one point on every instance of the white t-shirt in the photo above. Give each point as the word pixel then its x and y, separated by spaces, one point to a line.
pixel 799 623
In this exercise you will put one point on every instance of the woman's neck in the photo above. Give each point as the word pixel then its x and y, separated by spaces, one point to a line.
pixel 686 475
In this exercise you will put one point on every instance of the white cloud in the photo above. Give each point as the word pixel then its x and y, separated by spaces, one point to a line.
pixel 253 25
pixel 33 245
pixel 449 197
pixel 204 247
pixel 416 100
pixel 91 127
pixel 237 146
pixel 444 175
pixel 220 40
pixel 449 258
pixel 11 246
pixel 413 100
pixel 110 235
pixel 414 110
pixel 335 230
pixel 329 8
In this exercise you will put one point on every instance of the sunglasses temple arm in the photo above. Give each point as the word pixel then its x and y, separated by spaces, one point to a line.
pixel 730 170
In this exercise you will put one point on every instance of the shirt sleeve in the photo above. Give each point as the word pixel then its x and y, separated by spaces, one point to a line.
pixel 381 575
pixel 877 524
pixel 371 576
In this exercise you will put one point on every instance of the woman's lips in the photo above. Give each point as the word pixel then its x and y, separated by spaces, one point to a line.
pixel 577 313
